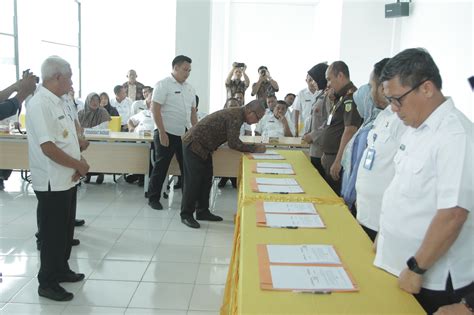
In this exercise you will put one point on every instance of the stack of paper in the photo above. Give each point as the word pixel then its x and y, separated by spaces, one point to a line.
pixel 276 185
pixel 274 168
pixel 292 215
pixel 268 155
pixel 303 268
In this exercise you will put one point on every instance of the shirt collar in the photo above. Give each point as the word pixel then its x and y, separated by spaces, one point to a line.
pixel 50 95
pixel 436 117
pixel 175 81
pixel 345 89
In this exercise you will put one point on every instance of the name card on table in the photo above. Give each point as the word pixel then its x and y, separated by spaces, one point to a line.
pixel 96 132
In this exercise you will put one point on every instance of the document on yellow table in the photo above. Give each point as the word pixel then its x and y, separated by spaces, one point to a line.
pixel 274 165
pixel 303 254
pixel 276 181
pixel 276 171
pixel 261 156
pixel 317 278
pixel 289 207
pixel 279 189
pixel 294 220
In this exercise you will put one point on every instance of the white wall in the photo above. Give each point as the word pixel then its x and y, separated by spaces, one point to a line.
pixel 444 28
pixel 193 36
pixel 365 37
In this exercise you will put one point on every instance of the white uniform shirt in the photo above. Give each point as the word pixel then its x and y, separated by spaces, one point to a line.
pixel 303 103
pixel 124 108
pixel 176 100
pixel 49 120
pixel 138 106
pixel 270 125
pixel 143 121
pixel 433 170
pixel 384 138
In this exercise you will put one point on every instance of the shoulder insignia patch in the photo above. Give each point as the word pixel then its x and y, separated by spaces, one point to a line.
pixel 348 105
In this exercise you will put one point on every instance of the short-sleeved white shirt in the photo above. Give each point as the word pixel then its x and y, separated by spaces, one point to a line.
pixel 138 106
pixel 124 108
pixel 49 120
pixel 384 138
pixel 176 100
pixel 433 170
pixel 304 102
pixel 143 121
pixel 273 126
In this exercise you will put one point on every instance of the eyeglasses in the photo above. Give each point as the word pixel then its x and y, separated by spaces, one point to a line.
pixel 398 103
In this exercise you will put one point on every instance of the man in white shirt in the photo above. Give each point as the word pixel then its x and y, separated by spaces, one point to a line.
pixel 376 169
pixel 174 110
pixel 426 235
pixel 276 123
pixel 140 105
pixel 56 166
pixel 123 105
pixel 143 120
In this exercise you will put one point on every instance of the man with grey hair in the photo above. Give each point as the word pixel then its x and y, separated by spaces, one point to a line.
pixel 56 166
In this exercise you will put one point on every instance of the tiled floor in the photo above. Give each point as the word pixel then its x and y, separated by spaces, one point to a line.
pixel 136 260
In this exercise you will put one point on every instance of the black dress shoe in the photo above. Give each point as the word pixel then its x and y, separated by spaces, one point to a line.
pixel 70 276
pixel 79 222
pixel 75 242
pixel 191 222
pixel 207 216
pixel 56 293
pixel 155 205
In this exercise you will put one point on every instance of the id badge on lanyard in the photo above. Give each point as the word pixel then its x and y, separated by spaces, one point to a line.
pixel 329 119
pixel 370 157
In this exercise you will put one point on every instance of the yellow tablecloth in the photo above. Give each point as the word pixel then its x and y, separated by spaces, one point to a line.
pixel 379 293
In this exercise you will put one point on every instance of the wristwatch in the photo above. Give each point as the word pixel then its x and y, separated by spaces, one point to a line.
pixel 413 266
pixel 469 307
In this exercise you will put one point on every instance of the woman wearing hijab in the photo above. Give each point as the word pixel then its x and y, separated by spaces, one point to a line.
pixel 319 114
pixel 94 116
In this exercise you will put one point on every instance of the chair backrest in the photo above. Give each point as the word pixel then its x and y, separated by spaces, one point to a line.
pixel 115 123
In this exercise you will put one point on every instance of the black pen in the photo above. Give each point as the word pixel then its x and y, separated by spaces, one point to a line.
pixel 312 292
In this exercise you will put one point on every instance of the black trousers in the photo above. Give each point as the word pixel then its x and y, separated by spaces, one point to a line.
pixel 431 300
pixel 370 233
pixel 163 156
pixel 198 183
pixel 56 212
pixel 317 164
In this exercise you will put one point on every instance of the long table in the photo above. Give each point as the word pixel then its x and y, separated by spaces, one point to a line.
pixel 126 152
pixel 379 292
pixel 120 152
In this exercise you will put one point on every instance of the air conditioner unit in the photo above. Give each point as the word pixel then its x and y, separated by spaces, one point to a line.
pixel 397 9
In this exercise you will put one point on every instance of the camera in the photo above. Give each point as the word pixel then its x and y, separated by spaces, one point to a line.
pixel 27 72
pixel 263 72
pixel 240 65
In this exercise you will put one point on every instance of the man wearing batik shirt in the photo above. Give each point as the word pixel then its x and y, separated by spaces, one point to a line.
pixel 133 88
pixel 198 145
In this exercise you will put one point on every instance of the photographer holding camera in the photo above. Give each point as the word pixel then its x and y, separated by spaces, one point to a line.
pixel 265 85
pixel 24 87
pixel 234 83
